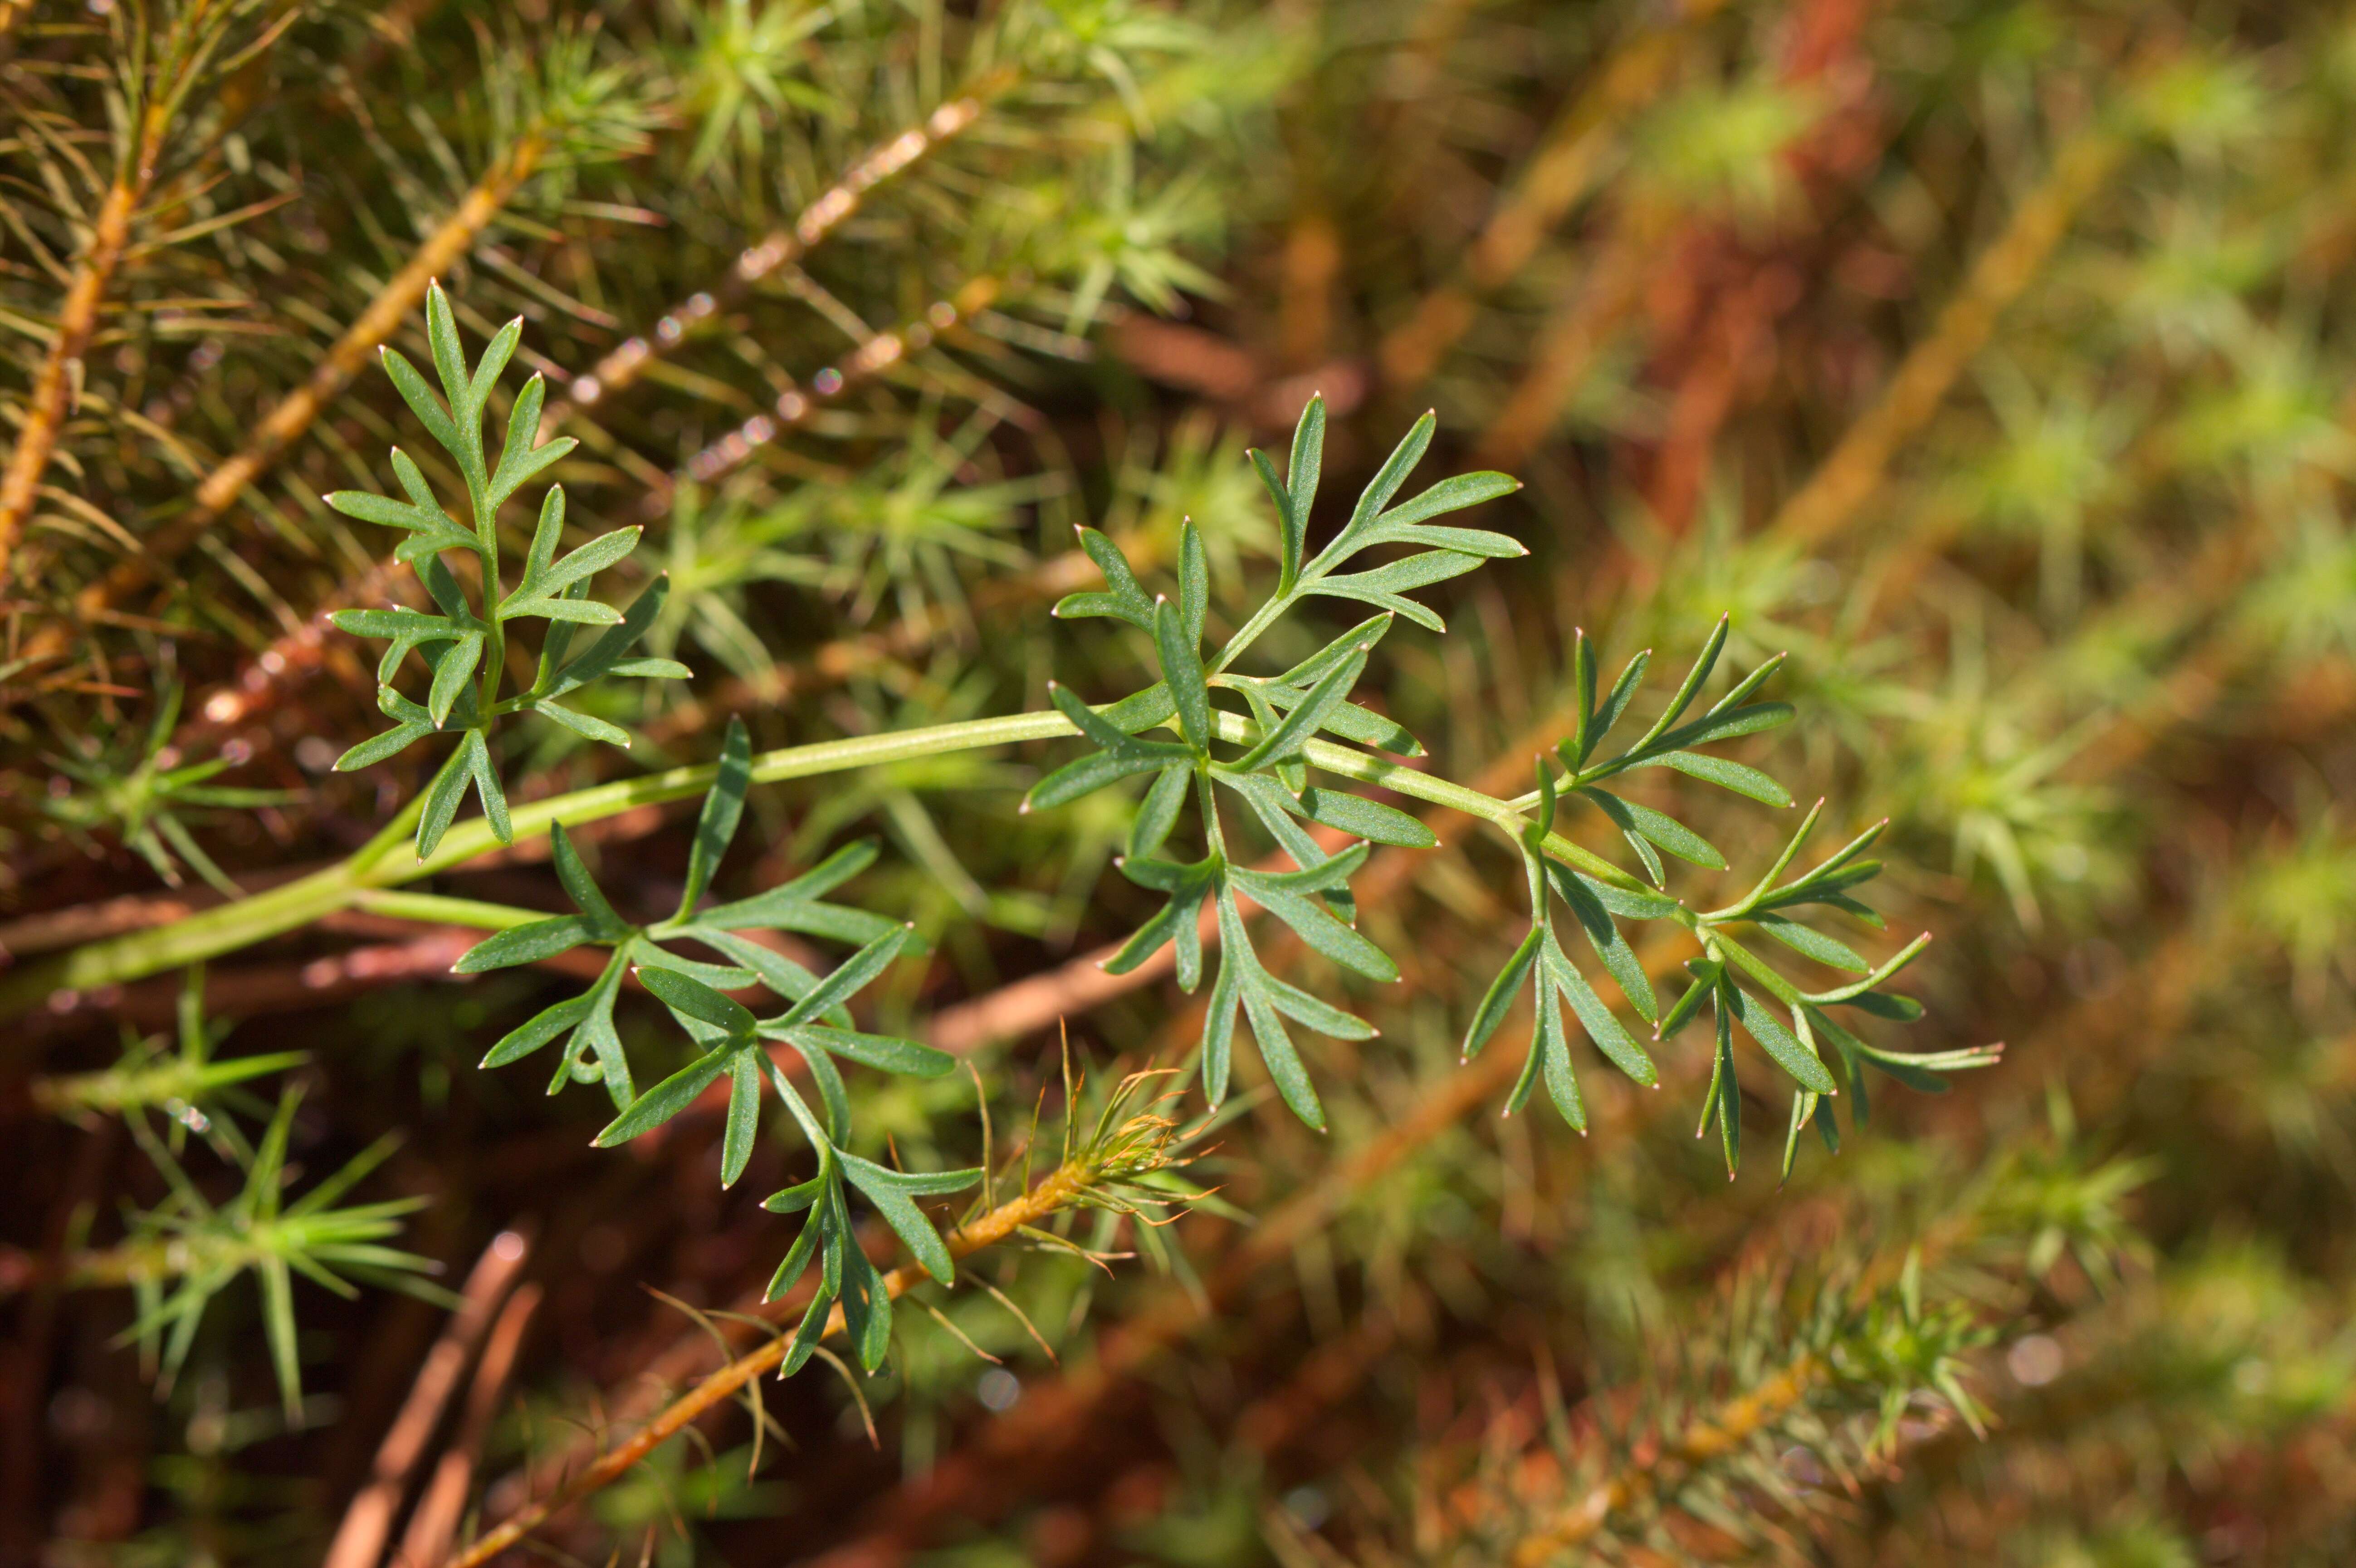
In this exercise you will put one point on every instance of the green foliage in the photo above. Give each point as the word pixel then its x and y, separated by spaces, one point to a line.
pixel 742 1049
pixel 470 635
pixel 190 1087
pixel 1811 1369
pixel 1281 716
pixel 147 799
pixel 178 1257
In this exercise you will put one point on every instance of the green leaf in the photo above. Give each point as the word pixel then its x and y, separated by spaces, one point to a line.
pixel 1389 479
pixel 1803 939
pixel 449 358
pixel 1703 664
pixel 1619 959
pixel 1735 776
pixel 1623 691
pixel 1099 727
pixel 1305 465
pixel 605 654
pixel 1281 812
pixel 377 748
pixel 420 400
pixel 1363 637
pixel 519 461
pixel 791 1267
pixel 1313 1011
pixel 796 905
pixel 1887 1005
pixel 495 355
pixel 523 945
pixel 1297 727
pixel 1182 667
pixel 1629 904
pixel 1295 495
pixel 885 1053
pixel 434 573
pixel 422 514
pixel 667 1098
pixel 1499 997
pixel 1177 920
pixel 891 1193
pixel 723 808
pixel 1226 996
pixel 651 669
pixel 694 999
pixel 278 1319
pixel 1157 813
pixel 1777 1040
pixel 1551 1050
pixel 1368 819
pixel 1193 583
pixel 1479 542
pixel 847 978
pixel 866 1309
pixel 406 629
pixel 1791 848
pixel 563 608
pixel 598 1036
pixel 744 1117
pixel 599 553
pixel 795 1198
pixel 477 750
pixel 1639 822
pixel 1141 710
pixel 1126 602
pixel 1384 586
pixel 1840 869
pixel 833 1233
pixel 1090 774
pixel 1323 932
pixel 546 535
pixel 1740 691
pixel 1362 725
pixel 1452 493
pixel 719 976
pixel 775 970
pixel 1548 803
pixel 1610 1036
pixel 1721 724
pixel 1704 973
pixel 586 726
pixel 581 887
pixel 1725 1095
pixel 441 800
pixel 1123 755
pixel 542 1027
pixel 454 668
pixel 1584 733
pixel 1902 957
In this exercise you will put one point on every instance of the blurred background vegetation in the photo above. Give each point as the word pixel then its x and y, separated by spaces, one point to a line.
pixel 1990 357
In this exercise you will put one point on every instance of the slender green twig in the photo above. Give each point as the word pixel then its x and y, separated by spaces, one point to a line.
pixel 361 878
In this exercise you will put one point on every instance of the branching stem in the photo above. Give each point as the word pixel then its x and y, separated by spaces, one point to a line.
pixel 231 926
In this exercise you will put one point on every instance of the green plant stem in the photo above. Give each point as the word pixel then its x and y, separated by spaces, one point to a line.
pixel 1507 816
pixel 440 910
pixel 363 877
